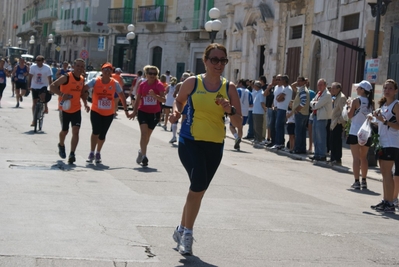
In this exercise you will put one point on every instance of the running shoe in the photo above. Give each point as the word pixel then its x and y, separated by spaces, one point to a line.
pixel 71 158
pixel 177 236
pixel 90 158
pixel 21 99
pixel 98 157
pixel 395 202
pixel 17 106
pixel 186 244
pixel 382 203
pixel 386 208
pixel 164 127
pixel 139 157
pixel 237 143
pixel 173 140
pixel 363 185
pixel 61 151
pixel 356 185
pixel 144 161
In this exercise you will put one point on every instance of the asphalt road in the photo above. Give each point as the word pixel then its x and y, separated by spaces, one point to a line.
pixel 262 209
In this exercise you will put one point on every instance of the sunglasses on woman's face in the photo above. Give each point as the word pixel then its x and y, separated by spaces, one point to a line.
pixel 151 73
pixel 215 60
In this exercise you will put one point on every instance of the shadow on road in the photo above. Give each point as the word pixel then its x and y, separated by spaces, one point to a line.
pixel 145 169
pixel 194 261
pixel 364 192
pixel 384 215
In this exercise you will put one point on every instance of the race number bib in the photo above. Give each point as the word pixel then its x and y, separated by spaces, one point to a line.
pixel 21 77
pixel 149 101
pixel 105 103
pixel 39 78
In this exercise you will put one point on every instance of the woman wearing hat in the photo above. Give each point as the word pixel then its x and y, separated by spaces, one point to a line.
pixel 103 108
pixel 359 108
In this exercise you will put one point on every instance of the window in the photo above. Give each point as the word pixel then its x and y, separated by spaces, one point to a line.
pixel 201 8
pixel 296 32
pixel 350 22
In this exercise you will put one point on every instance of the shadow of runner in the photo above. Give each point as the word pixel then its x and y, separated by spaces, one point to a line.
pixel 364 192
pixel 145 169
pixel 384 215
pixel 194 261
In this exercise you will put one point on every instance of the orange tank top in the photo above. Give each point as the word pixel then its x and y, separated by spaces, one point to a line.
pixel 73 87
pixel 103 97
pixel 119 79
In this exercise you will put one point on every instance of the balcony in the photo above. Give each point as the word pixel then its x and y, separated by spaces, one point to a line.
pixel 65 27
pixel 152 14
pixel 124 16
pixel 47 14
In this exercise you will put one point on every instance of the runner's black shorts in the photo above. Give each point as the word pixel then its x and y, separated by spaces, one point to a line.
pixel 37 92
pixel 352 140
pixel 100 124
pixel 75 119
pixel 19 85
pixel 151 119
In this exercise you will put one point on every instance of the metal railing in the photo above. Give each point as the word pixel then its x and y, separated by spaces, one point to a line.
pixel 152 13
pixel 122 15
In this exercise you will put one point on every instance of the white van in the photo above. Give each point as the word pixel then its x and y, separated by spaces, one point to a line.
pixel 27 57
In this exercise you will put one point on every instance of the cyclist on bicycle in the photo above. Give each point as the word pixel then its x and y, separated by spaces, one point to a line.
pixel 70 87
pixel 39 79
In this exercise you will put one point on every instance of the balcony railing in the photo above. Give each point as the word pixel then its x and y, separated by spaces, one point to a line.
pixel 121 15
pixel 47 13
pixel 152 14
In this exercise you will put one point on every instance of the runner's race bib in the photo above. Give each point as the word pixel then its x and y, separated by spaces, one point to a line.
pixel 105 103
pixel 21 77
pixel 149 101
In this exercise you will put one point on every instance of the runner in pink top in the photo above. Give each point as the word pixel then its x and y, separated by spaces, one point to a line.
pixel 147 107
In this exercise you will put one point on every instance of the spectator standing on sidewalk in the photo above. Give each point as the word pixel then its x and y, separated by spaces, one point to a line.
pixel 271 112
pixel 359 108
pixel 282 98
pixel 337 123
pixel 312 94
pixel 263 82
pixel 301 110
pixel 250 132
pixel 322 109
pixel 246 102
pixel 388 129
pixel 258 110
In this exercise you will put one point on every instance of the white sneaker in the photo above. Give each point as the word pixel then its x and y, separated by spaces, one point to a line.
pixel 186 244
pixel 177 237
pixel 173 140
pixel 139 157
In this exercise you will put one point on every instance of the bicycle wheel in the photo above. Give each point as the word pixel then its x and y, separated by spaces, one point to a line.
pixel 41 116
pixel 36 116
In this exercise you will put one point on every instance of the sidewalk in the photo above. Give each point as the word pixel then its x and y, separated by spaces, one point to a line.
pixel 373 172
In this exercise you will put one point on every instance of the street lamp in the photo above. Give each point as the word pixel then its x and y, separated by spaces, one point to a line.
pixel 214 25
pixel 32 44
pixel 377 10
pixel 19 41
pixel 50 41
pixel 130 36
pixel 9 43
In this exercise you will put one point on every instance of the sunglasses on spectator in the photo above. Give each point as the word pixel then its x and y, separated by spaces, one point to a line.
pixel 215 60
pixel 39 60
pixel 151 73
pixel 278 79
pixel 107 69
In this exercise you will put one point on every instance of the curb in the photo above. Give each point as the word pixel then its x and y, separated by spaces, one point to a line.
pixel 338 168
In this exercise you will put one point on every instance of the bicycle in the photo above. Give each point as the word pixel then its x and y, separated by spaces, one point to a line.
pixel 40 107
pixel 39 115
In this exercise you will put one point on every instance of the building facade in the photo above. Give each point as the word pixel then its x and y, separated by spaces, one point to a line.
pixel 336 40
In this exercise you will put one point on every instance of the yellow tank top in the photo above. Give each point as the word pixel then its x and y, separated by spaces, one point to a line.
pixel 205 118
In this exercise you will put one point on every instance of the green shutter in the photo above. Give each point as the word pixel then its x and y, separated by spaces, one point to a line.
pixel 23 18
pixel 78 15
pixel 197 8
pixel 128 12
pixel 128 4
pixel 161 4
pixel 73 14
pixel 86 14
pixel 209 5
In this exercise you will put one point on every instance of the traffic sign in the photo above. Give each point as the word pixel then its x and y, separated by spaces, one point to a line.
pixel 84 54
pixel 101 43
pixel 58 48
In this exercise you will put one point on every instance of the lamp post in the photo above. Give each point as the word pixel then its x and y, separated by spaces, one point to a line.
pixel 50 41
pixel 214 25
pixel 377 10
pixel 19 41
pixel 130 36
pixel 32 44
pixel 9 43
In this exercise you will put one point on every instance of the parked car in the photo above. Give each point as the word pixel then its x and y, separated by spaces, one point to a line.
pixel 128 80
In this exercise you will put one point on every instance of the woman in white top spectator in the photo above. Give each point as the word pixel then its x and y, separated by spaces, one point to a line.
pixel 359 108
pixel 388 154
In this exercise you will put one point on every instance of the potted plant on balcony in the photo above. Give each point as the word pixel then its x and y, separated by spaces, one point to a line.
pixel 99 23
pixel 86 28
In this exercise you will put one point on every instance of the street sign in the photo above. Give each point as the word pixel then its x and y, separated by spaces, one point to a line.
pixel 371 70
pixel 101 43
pixel 84 54
pixel 58 48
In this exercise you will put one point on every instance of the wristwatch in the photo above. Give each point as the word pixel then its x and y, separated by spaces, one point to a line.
pixel 233 111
